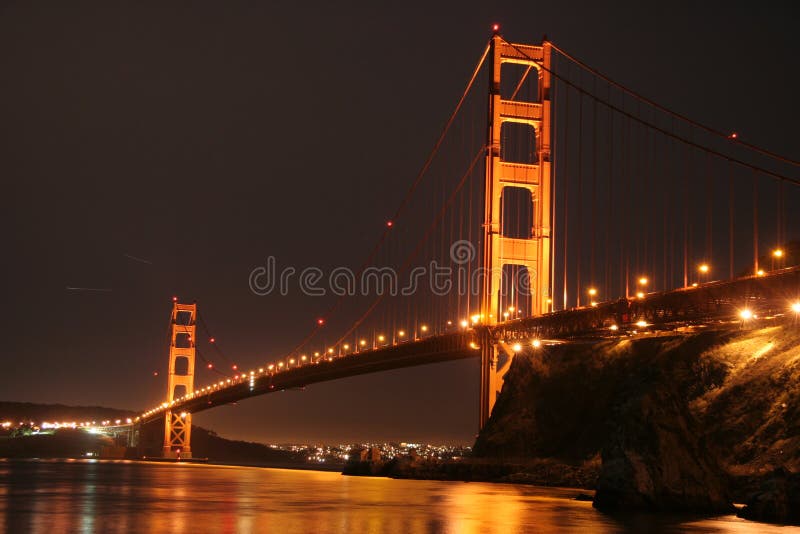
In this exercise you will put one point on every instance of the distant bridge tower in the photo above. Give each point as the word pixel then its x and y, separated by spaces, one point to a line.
pixel 531 251
pixel 178 426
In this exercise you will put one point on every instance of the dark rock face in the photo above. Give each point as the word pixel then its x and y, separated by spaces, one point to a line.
pixel 778 501
pixel 654 461
pixel 689 422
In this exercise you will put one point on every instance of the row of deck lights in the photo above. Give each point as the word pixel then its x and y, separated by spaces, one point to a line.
pixel 380 340
pixel 703 268
pixel 745 314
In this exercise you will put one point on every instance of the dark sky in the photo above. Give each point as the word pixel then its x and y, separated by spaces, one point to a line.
pixel 205 136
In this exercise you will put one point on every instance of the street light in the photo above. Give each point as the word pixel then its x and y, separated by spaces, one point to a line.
pixel 796 307
pixel 778 253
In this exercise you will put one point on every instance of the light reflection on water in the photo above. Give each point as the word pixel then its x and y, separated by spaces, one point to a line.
pixel 83 496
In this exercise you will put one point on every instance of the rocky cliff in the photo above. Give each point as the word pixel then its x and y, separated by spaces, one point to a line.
pixel 689 421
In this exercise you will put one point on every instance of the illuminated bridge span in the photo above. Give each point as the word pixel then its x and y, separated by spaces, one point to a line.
pixel 595 213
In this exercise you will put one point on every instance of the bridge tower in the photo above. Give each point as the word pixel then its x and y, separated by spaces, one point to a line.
pixel 178 426
pixel 499 249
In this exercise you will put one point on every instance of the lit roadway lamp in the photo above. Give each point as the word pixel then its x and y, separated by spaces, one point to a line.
pixel 516 347
pixel 777 254
pixel 796 307
pixel 642 281
pixel 746 314
pixel 703 269
pixel 592 294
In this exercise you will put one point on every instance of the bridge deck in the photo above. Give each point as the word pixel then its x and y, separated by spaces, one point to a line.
pixel 713 301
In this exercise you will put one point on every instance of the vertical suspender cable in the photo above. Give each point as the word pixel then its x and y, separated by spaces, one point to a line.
pixel 730 220
pixel 579 223
pixel 566 188
pixel 610 204
pixel 755 221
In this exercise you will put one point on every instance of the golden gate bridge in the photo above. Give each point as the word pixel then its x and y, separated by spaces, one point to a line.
pixel 596 213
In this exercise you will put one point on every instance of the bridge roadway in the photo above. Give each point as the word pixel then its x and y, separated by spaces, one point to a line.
pixel 772 293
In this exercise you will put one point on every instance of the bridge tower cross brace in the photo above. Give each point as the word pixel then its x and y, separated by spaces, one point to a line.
pixel 498 250
pixel 178 426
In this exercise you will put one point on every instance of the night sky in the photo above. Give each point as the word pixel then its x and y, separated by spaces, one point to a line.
pixel 160 151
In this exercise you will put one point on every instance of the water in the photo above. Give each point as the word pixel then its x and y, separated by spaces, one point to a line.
pixel 115 496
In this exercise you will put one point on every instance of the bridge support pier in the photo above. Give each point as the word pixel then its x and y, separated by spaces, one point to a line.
pixel 178 425
pixel 502 246
pixel 493 372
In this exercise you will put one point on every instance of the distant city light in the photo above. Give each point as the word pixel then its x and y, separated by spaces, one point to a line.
pixel 703 268
pixel 778 253
pixel 536 343
pixel 746 314
pixel 516 347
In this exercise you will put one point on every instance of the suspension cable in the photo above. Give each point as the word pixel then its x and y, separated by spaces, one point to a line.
pixel 675 114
